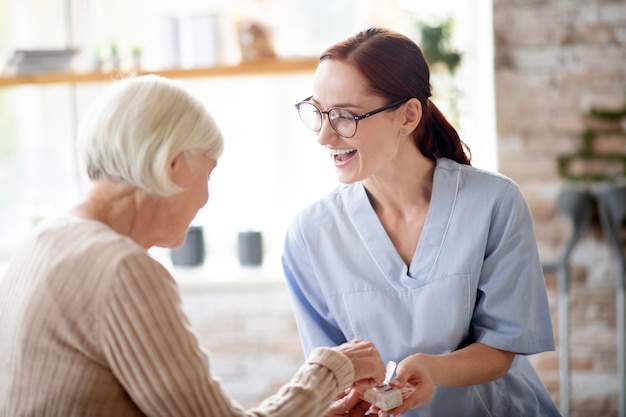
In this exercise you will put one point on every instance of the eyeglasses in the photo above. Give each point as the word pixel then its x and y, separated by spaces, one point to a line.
pixel 343 121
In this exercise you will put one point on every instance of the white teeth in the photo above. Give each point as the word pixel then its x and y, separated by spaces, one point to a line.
pixel 340 151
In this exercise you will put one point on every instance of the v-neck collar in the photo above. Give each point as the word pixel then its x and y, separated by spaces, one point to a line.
pixel 446 180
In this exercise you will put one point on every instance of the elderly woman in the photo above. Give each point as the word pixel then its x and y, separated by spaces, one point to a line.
pixel 91 325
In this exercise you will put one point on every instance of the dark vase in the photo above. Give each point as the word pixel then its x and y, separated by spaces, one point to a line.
pixel 191 253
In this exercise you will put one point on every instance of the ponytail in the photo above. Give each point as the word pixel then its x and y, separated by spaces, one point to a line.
pixel 436 137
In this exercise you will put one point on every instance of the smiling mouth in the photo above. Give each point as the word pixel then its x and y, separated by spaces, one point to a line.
pixel 341 155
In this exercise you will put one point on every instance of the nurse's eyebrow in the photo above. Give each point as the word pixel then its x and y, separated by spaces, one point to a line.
pixel 340 105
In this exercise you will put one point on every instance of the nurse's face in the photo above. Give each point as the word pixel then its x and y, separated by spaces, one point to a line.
pixel 378 139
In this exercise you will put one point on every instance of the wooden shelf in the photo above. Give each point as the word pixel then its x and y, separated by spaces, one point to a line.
pixel 275 66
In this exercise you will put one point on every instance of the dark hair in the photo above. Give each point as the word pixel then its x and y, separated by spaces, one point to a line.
pixel 396 68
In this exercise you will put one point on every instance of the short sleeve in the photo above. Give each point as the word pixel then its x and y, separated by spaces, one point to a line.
pixel 314 319
pixel 512 311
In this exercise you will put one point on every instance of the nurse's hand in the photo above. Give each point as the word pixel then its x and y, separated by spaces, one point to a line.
pixel 369 369
pixel 415 382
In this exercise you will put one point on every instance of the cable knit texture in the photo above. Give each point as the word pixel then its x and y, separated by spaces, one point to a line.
pixel 91 325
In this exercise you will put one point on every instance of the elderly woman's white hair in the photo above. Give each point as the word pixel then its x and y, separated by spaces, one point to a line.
pixel 133 132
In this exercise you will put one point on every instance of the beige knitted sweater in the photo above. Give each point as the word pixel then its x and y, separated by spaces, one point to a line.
pixel 91 325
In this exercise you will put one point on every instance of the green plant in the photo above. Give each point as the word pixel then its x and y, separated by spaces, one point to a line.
pixel 608 114
pixel 587 153
pixel 435 44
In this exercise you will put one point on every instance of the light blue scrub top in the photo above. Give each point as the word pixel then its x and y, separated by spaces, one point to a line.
pixel 475 276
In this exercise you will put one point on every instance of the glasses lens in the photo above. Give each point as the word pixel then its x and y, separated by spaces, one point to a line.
pixel 310 116
pixel 343 122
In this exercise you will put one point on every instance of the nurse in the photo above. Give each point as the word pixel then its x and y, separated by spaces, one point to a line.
pixel 433 260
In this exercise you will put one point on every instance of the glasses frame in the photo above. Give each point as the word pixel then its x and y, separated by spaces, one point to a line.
pixel 355 116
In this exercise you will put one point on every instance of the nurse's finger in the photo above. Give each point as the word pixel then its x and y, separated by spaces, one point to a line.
pixel 413 396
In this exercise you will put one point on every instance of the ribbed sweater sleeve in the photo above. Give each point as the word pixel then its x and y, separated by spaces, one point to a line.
pixel 155 355
pixel 310 392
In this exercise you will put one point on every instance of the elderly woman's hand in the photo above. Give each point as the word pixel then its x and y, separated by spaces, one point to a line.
pixel 348 404
pixel 369 369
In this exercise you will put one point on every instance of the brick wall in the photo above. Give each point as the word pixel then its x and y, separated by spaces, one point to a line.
pixel 250 333
pixel 555 60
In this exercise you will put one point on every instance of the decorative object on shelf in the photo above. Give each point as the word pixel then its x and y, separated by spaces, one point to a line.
pixel 114 58
pixel 593 164
pixel 96 63
pixel 33 61
pixel 170 41
pixel 199 41
pixel 255 41
pixel 250 248
pixel 192 251
pixel 191 41
pixel 136 58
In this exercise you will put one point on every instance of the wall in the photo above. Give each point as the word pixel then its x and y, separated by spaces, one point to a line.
pixel 249 330
pixel 554 61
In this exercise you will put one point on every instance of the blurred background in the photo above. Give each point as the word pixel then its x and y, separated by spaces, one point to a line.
pixel 271 166
pixel 537 89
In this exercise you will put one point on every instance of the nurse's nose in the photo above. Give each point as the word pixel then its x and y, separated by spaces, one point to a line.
pixel 327 134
